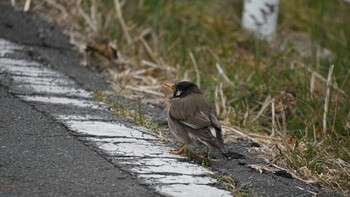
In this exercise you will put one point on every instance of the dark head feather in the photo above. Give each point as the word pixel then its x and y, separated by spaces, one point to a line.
pixel 185 88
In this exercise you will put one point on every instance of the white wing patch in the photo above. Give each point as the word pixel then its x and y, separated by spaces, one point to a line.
pixel 190 125
pixel 212 131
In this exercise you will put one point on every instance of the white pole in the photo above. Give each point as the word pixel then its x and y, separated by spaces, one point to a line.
pixel 260 16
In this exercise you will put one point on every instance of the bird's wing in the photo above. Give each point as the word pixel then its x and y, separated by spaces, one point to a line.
pixel 214 120
pixel 199 119
pixel 206 127
pixel 216 124
pixel 191 113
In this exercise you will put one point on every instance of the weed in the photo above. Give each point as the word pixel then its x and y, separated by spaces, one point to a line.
pixel 229 184
pixel 153 126
pixel 139 112
pixel 119 109
pixel 99 96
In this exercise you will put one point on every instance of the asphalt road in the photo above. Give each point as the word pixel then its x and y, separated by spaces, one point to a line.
pixel 38 155
pixel 55 140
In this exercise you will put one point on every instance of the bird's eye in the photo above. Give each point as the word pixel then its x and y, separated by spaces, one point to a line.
pixel 178 92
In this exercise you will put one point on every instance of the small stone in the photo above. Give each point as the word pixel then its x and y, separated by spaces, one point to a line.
pixel 254 144
pixel 284 173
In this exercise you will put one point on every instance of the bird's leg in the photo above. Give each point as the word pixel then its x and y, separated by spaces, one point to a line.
pixel 180 151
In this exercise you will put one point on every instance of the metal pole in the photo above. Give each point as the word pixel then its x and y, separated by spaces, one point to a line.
pixel 260 17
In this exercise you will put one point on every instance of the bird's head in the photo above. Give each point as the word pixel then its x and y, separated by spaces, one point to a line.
pixel 183 88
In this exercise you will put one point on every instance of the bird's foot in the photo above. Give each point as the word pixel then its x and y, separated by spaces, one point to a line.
pixel 180 151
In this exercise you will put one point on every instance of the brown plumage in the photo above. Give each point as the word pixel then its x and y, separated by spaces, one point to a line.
pixel 191 118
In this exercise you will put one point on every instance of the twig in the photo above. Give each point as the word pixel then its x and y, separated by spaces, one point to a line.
pixel 185 77
pixel 251 136
pixel 284 124
pixel 139 111
pixel 326 102
pixel 311 192
pixel 149 50
pixel 345 78
pixel 93 10
pixel 155 66
pixel 335 114
pixel 216 57
pixel 198 77
pixel 314 132
pixel 142 71
pixel 273 126
pixel 58 6
pixel 140 4
pixel 246 114
pixel 264 106
pixel 143 34
pixel 88 20
pixel 319 76
pixel 27 6
pixel 148 63
pixel 121 21
pixel 216 100
pixel 145 90
pixel 222 73
pixel 223 99
pixel 312 83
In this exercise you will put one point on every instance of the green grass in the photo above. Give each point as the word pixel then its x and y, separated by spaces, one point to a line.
pixel 120 109
pixel 211 31
pixel 139 112
pixel 98 95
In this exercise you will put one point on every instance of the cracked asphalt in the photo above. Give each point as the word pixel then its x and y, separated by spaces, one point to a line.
pixel 55 140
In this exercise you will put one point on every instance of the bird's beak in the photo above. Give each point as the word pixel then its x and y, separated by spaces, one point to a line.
pixel 170 85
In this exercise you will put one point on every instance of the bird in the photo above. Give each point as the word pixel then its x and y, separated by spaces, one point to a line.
pixel 192 119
